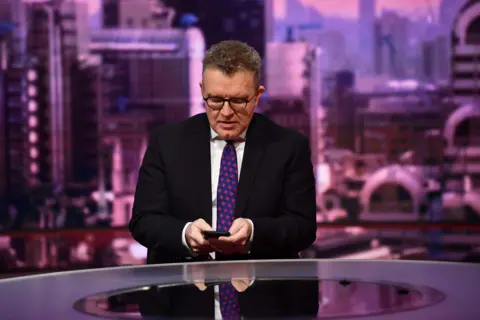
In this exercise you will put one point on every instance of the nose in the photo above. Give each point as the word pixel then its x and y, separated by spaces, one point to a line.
pixel 227 111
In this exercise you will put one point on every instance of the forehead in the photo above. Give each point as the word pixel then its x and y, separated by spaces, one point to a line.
pixel 239 84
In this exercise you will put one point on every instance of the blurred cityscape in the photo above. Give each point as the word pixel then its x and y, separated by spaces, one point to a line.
pixel 388 96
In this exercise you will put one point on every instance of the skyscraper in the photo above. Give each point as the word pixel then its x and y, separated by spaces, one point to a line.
pixel 13 94
pixel 366 32
pixel 38 97
pixel 391 44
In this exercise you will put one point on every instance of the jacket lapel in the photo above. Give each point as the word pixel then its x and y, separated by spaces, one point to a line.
pixel 199 166
pixel 254 150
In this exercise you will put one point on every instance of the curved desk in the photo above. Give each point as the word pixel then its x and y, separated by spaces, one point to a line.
pixel 334 288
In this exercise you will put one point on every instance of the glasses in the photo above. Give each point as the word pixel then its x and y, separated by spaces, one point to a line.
pixel 237 104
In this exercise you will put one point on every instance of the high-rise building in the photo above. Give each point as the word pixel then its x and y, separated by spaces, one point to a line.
pixel 435 59
pixel 39 98
pixel 4 55
pixel 52 41
pixel 149 75
pixel 391 44
pixel 154 70
pixel 342 111
pixel 367 10
pixel 13 95
pixel 84 125
pixel 136 14
pixel 294 91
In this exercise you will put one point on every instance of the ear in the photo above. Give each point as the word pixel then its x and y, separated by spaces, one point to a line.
pixel 261 90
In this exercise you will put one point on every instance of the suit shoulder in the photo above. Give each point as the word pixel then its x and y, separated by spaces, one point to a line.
pixel 281 132
pixel 176 128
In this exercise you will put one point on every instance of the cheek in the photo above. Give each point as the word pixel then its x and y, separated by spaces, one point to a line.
pixel 212 115
pixel 245 118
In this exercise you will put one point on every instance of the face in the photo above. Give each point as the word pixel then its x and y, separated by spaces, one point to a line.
pixel 227 122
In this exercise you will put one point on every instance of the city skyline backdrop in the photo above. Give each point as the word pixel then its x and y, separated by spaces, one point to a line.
pixel 385 99
pixel 342 8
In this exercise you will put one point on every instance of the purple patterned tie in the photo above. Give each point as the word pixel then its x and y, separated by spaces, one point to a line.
pixel 226 196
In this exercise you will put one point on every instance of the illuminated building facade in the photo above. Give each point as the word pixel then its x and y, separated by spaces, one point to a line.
pixel 39 100
pixel 465 43
pixel 294 91
pixel 156 70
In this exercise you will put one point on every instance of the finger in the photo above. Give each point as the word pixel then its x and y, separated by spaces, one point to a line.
pixel 194 245
pixel 202 225
pixel 198 244
pixel 199 238
pixel 240 285
pixel 200 285
pixel 239 237
pixel 236 226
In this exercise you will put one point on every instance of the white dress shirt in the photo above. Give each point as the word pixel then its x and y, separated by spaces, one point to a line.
pixel 216 150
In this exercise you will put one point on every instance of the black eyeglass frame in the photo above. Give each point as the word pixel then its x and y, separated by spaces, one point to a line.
pixel 229 102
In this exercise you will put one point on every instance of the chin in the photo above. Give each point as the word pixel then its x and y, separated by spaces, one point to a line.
pixel 228 132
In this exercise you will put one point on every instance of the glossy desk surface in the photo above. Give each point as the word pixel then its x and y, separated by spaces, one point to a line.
pixel 371 289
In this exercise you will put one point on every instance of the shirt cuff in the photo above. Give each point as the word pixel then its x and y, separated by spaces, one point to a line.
pixel 184 239
pixel 251 236
pixel 249 243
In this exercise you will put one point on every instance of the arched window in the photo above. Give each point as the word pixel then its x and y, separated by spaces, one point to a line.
pixel 391 198
pixel 467 133
pixel 473 32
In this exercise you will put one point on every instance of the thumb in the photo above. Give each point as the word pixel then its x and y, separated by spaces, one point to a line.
pixel 237 225
pixel 239 285
pixel 200 285
pixel 202 225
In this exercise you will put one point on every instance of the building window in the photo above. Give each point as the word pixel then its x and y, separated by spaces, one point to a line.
pixel 473 32
pixel 391 198
pixel 129 22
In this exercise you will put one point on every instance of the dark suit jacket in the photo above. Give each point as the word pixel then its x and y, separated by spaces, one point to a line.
pixel 276 190
pixel 264 299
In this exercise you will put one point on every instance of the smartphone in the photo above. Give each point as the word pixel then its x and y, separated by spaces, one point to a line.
pixel 215 234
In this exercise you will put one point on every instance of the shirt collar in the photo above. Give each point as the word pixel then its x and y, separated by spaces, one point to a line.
pixel 214 135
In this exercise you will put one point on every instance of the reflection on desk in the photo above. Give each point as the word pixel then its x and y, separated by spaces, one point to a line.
pixel 270 298
pixel 295 298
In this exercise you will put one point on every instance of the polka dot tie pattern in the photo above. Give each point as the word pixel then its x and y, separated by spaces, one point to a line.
pixel 229 304
pixel 226 196
pixel 227 188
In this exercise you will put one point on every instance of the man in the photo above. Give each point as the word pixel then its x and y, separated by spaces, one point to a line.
pixel 228 169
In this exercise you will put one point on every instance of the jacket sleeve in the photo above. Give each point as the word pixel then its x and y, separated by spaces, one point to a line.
pixel 294 229
pixel 151 223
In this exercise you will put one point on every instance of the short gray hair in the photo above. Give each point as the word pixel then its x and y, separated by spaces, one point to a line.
pixel 231 56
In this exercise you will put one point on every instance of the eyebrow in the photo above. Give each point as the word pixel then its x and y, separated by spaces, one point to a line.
pixel 246 97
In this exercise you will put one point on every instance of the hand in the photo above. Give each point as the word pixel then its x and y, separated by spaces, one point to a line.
pixel 195 239
pixel 242 276
pixel 240 233
pixel 195 273
pixel 240 284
